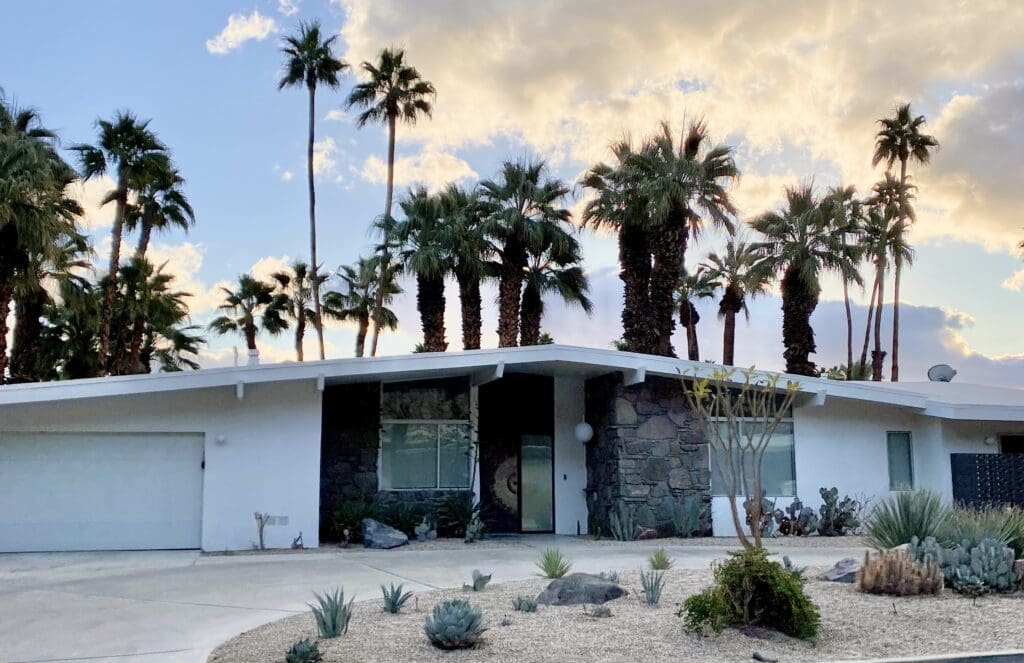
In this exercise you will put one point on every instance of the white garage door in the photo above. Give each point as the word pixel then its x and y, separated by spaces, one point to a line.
pixel 100 491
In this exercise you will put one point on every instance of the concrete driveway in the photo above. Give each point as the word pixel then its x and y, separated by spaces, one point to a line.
pixel 175 607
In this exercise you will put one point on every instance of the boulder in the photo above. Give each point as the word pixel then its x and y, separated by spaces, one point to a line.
pixel 580 588
pixel 378 535
pixel 1018 569
pixel 845 570
pixel 903 547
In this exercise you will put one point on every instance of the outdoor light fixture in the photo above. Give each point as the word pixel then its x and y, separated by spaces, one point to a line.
pixel 221 439
pixel 990 440
pixel 584 432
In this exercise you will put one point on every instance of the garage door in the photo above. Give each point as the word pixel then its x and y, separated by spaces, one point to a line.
pixel 100 491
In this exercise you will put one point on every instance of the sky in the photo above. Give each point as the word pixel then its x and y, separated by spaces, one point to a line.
pixel 796 88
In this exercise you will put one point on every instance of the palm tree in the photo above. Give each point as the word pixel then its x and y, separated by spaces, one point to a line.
pixel 554 267
pixel 297 287
pixel 694 287
pixel 127 147
pixel 681 180
pixel 393 92
pixel 310 62
pixel 469 250
pixel 743 274
pixel 801 242
pixel 357 302
pixel 421 236
pixel 525 207
pixel 620 206
pixel 901 139
pixel 251 308
pixel 846 212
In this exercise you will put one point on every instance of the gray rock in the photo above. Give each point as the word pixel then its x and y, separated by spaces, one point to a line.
pixel 378 535
pixel 845 570
pixel 657 428
pixel 625 415
pixel 580 588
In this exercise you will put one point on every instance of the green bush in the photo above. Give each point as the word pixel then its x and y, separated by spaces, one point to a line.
pixel 303 651
pixel 553 564
pixel 750 588
pixel 660 561
pixel 454 624
pixel 349 516
pixel 394 599
pixel 331 613
pixel 403 517
pixel 899 518
pixel 455 512
pixel 1002 524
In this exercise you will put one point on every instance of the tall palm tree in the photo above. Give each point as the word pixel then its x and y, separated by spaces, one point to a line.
pixel 683 180
pixel 901 138
pixel 297 286
pixel 743 274
pixel 127 147
pixel 801 242
pixel 620 206
pixel 845 211
pixel 469 250
pixel 421 236
pixel 250 308
pixel 310 62
pixel 554 267
pixel 525 208
pixel 692 288
pixel 393 92
pixel 356 303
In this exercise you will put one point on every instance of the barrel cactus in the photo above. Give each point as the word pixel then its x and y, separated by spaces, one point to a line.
pixel 454 624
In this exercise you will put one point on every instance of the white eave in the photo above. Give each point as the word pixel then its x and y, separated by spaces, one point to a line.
pixel 947 401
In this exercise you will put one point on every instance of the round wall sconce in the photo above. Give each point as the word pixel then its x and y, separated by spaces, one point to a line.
pixel 990 440
pixel 583 432
pixel 221 439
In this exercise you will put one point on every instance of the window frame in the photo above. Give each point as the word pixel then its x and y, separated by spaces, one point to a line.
pixel 910 459
pixel 742 420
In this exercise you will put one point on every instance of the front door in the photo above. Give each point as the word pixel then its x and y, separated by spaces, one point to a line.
pixel 536 496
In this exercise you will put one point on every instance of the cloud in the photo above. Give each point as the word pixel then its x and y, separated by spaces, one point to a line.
pixel 89 194
pixel 430 167
pixel 287 175
pixel 240 29
pixel 324 152
pixel 336 115
pixel 288 7
pixel 1015 283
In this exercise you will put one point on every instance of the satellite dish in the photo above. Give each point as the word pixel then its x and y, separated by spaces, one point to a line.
pixel 941 373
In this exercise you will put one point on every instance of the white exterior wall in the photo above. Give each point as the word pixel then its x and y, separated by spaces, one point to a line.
pixel 269 460
pixel 570 458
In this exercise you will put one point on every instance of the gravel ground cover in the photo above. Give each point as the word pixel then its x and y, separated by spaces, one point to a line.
pixel 854 626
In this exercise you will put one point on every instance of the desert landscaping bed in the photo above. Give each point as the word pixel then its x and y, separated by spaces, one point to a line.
pixel 853 626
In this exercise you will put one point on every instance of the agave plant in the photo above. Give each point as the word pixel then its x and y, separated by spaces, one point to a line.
pixel 303 651
pixel 331 613
pixel 652 583
pixel 394 599
pixel 454 624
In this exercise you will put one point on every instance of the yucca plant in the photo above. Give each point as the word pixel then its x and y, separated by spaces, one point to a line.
pixel 553 564
pixel 303 651
pixel 899 518
pixel 331 613
pixel 479 582
pixel 1004 524
pixel 660 561
pixel 394 599
pixel 652 583
pixel 524 604
pixel 454 624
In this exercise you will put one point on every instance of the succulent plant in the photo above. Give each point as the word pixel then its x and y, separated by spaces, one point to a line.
pixel 610 576
pixel 331 613
pixel 837 516
pixel 524 604
pixel 454 624
pixel 990 563
pixel 303 651
pixel 474 530
pixel 394 599
pixel 622 523
pixel 479 582
pixel 651 585
pixel 599 611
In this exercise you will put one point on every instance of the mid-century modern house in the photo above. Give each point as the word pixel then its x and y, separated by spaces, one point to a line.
pixel 183 460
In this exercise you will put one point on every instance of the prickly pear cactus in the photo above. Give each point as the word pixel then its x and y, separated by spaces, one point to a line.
pixel 808 521
pixel 837 516
pixel 992 562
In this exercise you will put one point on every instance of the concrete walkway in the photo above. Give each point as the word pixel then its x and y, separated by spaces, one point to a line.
pixel 175 607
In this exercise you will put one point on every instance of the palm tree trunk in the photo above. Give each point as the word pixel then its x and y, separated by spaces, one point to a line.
pixel 250 337
pixel 115 259
pixel 430 303
pixel 364 326
pixel 878 355
pixel 469 300
pixel 510 286
pixel 300 333
pixel 849 329
pixel 688 319
pixel 863 364
pixel 894 371
pixel 669 246
pixel 6 293
pixel 799 299
pixel 314 266
pixel 635 273
pixel 729 338
pixel 132 361
pixel 378 306
pixel 145 233
pixel 28 327
pixel 531 311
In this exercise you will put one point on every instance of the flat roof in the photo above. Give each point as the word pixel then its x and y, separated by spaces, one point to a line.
pixel 950 400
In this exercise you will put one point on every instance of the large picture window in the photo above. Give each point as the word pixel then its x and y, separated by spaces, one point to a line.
pixel 778 472
pixel 425 435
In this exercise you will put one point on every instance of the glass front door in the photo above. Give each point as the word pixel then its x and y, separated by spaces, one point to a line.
pixel 535 484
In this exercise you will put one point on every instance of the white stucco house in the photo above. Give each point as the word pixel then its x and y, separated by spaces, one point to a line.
pixel 183 460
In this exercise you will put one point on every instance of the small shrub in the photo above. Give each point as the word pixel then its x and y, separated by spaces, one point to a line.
pixel 598 611
pixel 651 584
pixel 349 517
pixel 553 564
pixel 749 588
pixel 899 518
pixel 837 516
pixel 895 572
pixel 303 651
pixel 331 613
pixel 524 604
pixel 688 516
pixel 455 512
pixel 610 576
pixel 403 517
pixel 622 523
pixel 660 561
pixel 1003 524
pixel 454 624
pixel 394 599
pixel 479 582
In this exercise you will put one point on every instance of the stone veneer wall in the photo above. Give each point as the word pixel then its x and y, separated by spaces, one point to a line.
pixel 648 452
